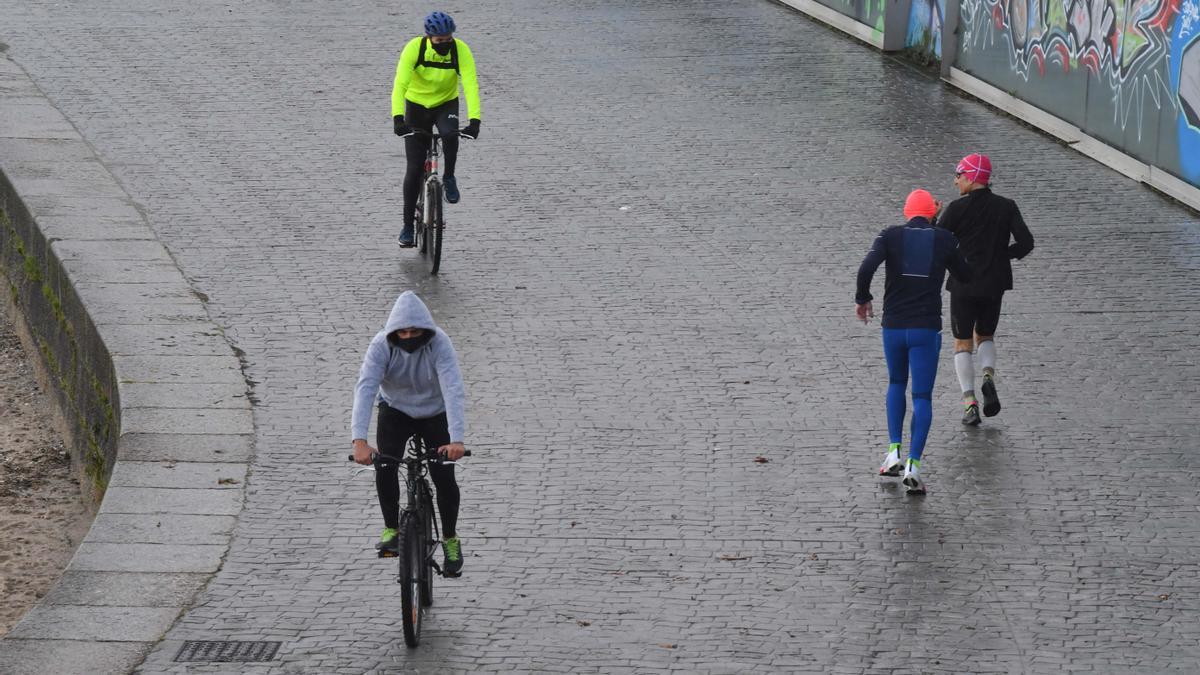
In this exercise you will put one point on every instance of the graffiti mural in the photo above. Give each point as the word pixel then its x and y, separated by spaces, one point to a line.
pixel 1185 81
pixel 925 28
pixel 1125 71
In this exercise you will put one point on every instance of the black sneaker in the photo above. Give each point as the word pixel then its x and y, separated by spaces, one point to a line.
pixel 991 402
pixel 451 186
pixel 452 564
pixel 971 414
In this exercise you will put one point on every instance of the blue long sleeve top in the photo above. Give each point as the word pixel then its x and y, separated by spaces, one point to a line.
pixel 917 256
pixel 422 384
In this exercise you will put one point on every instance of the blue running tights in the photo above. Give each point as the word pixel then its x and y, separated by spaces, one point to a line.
pixel 915 348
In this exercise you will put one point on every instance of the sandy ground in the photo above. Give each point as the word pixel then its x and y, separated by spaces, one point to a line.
pixel 42 518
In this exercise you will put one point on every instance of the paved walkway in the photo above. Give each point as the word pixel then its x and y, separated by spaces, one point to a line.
pixel 649 281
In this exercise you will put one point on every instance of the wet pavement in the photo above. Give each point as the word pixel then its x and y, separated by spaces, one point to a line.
pixel 650 283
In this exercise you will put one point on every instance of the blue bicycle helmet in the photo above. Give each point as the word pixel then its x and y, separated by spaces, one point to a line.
pixel 439 23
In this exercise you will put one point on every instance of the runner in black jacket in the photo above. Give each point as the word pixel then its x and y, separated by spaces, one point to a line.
pixel 984 224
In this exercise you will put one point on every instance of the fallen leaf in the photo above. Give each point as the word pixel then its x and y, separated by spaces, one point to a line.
pixel 667 645
pixel 761 460
pixel 228 481
pixel 581 622
pixel 1165 596
pixel 731 556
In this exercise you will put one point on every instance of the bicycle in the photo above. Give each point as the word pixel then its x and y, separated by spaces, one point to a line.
pixel 418 537
pixel 430 224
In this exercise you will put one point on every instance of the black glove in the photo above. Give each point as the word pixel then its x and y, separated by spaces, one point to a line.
pixel 400 127
pixel 472 130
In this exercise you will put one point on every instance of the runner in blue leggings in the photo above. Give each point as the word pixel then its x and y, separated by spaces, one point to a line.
pixel 917 255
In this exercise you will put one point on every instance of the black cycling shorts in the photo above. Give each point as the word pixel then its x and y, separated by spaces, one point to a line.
pixel 971 315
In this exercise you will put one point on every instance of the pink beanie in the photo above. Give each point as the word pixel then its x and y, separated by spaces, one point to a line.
pixel 919 203
pixel 976 167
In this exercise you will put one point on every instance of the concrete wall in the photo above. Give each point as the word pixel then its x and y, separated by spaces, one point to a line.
pixel 154 401
pixel 73 355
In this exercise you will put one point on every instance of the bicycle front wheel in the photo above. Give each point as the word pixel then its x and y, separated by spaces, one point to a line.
pixel 434 234
pixel 412 561
pixel 430 542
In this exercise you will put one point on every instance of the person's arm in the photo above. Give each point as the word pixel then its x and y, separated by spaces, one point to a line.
pixel 470 83
pixel 453 393
pixel 948 217
pixel 1023 238
pixel 404 72
pixel 866 271
pixel 370 375
pixel 958 266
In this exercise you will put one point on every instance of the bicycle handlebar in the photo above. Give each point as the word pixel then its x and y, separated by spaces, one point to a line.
pixel 429 134
pixel 433 456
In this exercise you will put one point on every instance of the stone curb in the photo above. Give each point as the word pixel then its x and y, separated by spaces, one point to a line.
pixel 1070 134
pixel 184 426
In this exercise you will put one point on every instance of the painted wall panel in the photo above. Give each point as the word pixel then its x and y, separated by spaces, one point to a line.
pixel 925 28
pixel 869 12
pixel 1124 71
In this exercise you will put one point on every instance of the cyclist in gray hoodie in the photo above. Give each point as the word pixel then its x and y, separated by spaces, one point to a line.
pixel 411 371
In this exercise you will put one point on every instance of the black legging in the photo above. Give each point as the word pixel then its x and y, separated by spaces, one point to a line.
pixel 445 116
pixel 395 428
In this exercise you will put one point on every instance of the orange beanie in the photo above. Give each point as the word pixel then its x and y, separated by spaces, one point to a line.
pixel 919 203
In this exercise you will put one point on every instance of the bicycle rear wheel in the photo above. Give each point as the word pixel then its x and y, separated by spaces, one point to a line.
pixel 419 222
pixel 428 214
pixel 412 561
pixel 434 233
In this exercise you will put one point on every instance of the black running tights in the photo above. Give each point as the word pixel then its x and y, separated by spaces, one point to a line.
pixel 395 428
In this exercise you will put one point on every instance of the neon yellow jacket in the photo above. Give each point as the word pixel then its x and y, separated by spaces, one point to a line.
pixel 432 86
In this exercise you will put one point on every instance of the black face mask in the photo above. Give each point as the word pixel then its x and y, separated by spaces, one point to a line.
pixel 442 48
pixel 411 344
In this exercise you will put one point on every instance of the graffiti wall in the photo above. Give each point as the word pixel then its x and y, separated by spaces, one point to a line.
pixel 925 28
pixel 869 12
pixel 1125 71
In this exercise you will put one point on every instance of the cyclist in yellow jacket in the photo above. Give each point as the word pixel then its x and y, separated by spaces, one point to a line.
pixel 425 94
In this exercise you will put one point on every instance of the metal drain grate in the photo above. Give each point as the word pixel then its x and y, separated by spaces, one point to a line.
pixel 227 652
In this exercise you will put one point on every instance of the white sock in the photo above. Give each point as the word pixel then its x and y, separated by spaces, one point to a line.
pixel 965 367
pixel 987 356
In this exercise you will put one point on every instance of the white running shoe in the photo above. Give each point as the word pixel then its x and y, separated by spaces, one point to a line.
pixel 892 464
pixel 912 479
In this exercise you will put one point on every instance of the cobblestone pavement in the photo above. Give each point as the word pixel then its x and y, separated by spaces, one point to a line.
pixel 649 280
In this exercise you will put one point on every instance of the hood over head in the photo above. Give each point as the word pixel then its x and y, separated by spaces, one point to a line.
pixel 409 312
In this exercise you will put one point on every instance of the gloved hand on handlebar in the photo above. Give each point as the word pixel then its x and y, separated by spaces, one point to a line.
pixel 472 130
pixel 400 127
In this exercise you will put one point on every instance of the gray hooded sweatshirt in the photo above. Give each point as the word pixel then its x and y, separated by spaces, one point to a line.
pixel 422 384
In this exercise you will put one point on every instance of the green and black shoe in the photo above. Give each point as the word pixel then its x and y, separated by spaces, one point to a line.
pixel 453 562
pixel 389 543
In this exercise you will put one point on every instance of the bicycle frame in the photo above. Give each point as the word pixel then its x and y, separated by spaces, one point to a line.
pixel 430 222
pixel 420 496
